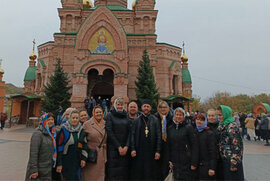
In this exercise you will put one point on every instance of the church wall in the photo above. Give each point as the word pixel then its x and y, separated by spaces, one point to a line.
pixel 72 44
pixel 145 22
pixel 166 54
pixel 16 107
pixel 70 19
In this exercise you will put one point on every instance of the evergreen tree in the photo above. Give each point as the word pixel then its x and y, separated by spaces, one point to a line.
pixel 145 84
pixel 57 91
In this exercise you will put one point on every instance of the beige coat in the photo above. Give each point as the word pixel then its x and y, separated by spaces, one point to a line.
pixel 94 136
pixel 250 123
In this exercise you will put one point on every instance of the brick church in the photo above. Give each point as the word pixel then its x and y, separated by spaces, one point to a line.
pixel 100 46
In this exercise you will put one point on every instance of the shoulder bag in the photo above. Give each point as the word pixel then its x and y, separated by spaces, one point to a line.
pixel 92 153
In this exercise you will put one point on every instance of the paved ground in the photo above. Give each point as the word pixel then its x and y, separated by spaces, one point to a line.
pixel 14 153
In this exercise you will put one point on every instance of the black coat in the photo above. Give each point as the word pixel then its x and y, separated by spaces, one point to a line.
pixel 144 166
pixel 155 133
pixel 118 128
pixel 207 153
pixel 183 150
pixel 219 168
pixel 163 163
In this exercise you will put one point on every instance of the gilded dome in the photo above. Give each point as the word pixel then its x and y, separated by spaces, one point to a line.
pixel 184 58
pixel 87 4
pixel 33 56
pixel 134 4
pixel 1 71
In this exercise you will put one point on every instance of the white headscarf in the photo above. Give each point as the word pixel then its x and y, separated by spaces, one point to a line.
pixel 115 103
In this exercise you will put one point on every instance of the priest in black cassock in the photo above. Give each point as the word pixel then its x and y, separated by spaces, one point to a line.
pixel 145 144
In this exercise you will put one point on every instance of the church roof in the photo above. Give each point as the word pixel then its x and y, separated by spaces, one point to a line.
pixel 266 106
pixel 30 74
pixel 173 97
pixel 114 7
pixel 172 64
pixel 42 63
pixel 186 78
pixel 27 96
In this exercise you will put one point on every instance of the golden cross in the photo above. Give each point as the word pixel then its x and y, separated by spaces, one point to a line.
pixel 183 47
pixel 34 43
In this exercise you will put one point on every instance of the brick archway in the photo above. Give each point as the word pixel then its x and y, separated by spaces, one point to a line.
pixel 259 108
pixel 100 65
pixel 101 17
pixel 100 83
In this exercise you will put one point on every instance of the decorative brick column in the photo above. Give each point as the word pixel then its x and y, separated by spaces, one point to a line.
pixel 120 87
pixel 79 90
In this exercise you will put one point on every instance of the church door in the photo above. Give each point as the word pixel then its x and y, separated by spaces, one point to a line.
pixel 100 85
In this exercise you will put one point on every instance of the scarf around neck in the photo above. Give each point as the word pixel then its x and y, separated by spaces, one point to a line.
pixel 71 128
pixel 52 134
pixel 164 127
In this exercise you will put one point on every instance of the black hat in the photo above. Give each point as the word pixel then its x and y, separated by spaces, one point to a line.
pixel 146 101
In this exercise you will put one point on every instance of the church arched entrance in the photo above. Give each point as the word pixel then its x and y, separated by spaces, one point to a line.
pixel 100 85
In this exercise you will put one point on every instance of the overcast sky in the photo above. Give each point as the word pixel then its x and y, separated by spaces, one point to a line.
pixel 227 41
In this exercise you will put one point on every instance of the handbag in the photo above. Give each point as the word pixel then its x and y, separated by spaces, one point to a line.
pixel 170 176
pixel 92 153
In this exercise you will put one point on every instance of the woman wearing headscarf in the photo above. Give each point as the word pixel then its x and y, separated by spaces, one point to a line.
pixel 43 152
pixel 72 148
pixel 95 133
pixel 165 119
pixel 230 145
pixel 207 149
pixel 118 128
pixel 182 147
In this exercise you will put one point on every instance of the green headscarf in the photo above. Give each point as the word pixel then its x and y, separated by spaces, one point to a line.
pixel 226 113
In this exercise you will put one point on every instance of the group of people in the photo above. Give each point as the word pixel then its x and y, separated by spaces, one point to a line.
pixel 91 102
pixel 133 145
pixel 257 128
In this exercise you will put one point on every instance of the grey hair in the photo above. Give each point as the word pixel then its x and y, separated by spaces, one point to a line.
pixel 179 109
pixel 72 112
pixel 119 99
pixel 64 114
pixel 211 110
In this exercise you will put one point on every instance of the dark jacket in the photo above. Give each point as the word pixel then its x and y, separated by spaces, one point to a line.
pixel 163 163
pixel 183 150
pixel 41 153
pixel 168 117
pixel 231 144
pixel 146 144
pixel 264 123
pixel 118 128
pixel 154 129
pixel 207 152
pixel 242 120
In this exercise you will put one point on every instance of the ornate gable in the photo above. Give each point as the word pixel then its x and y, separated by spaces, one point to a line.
pixel 101 27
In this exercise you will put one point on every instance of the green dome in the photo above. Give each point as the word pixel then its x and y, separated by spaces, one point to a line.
pixel 267 107
pixel 186 78
pixel 30 74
